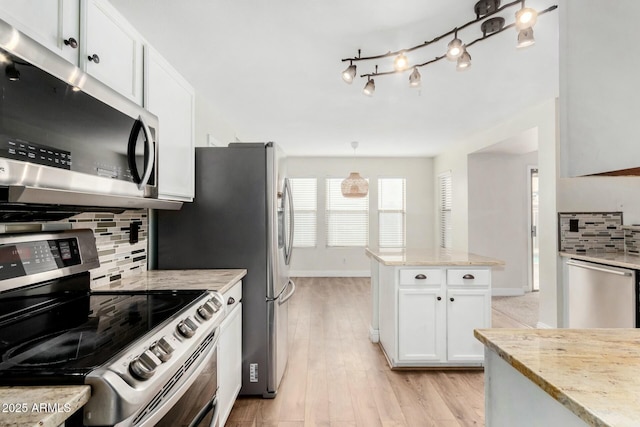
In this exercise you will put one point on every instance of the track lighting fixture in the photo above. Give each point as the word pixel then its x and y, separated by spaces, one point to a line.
pixel 369 87
pixel 525 38
pixel 490 25
pixel 401 62
pixel 415 79
pixel 349 74
pixel 464 62
pixel 12 72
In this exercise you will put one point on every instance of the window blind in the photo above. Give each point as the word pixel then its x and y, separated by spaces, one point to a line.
pixel 391 212
pixel 347 219
pixel 446 223
pixel 305 196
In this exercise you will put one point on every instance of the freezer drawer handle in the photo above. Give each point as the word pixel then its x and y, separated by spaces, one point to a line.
pixel 598 268
pixel 421 276
pixel 468 276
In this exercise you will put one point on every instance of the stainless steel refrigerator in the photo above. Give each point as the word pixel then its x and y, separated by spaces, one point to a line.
pixel 242 217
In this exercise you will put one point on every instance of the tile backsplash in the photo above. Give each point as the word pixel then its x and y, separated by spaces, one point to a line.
pixel 591 231
pixel 632 240
pixel 118 257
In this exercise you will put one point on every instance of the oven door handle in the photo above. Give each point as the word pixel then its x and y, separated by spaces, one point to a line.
pixel 210 406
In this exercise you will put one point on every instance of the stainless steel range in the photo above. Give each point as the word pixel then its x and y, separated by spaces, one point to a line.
pixel 149 357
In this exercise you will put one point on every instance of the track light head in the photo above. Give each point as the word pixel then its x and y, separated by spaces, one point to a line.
pixel 349 74
pixel 464 62
pixel 12 72
pixel 369 87
pixel 454 49
pixel 415 79
pixel 525 38
pixel 401 62
pixel 526 18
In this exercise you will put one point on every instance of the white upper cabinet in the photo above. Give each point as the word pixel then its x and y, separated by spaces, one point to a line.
pixel 599 86
pixel 111 49
pixel 170 97
pixel 49 22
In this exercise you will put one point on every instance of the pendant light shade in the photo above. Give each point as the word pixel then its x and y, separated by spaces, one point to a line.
pixel 354 185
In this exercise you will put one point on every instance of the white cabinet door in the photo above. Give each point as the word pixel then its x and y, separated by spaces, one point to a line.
pixel 421 327
pixel 387 321
pixel 170 97
pixel 114 46
pixel 49 22
pixel 467 309
pixel 229 362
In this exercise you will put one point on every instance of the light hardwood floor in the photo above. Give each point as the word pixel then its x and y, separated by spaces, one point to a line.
pixel 337 377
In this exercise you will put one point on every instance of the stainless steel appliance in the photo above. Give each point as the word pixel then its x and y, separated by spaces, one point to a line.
pixel 67 139
pixel 242 217
pixel 149 357
pixel 601 296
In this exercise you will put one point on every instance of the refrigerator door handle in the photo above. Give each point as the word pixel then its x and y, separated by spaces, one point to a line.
pixel 288 249
pixel 290 294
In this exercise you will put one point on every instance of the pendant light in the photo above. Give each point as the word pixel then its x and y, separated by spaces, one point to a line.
pixel 354 186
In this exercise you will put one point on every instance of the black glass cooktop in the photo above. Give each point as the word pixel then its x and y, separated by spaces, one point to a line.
pixel 60 340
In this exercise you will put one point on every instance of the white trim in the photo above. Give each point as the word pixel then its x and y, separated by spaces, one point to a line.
pixel 541 325
pixel 530 168
pixel 374 334
pixel 330 273
pixel 507 292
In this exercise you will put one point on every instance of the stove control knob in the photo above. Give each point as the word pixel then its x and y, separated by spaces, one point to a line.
pixel 205 311
pixel 187 327
pixel 144 366
pixel 216 303
pixel 162 349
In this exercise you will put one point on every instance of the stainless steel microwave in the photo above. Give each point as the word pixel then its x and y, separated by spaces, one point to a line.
pixel 68 139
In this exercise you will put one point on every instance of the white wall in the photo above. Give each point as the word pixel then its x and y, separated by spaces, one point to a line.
pixel 209 121
pixel 544 118
pixel 499 214
pixel 324 261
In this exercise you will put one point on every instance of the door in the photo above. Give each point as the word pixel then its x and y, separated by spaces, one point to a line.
pixel 421 325
pixel 467 309
pixel 534 257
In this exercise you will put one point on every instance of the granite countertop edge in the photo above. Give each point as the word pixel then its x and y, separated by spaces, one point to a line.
pixel 431 257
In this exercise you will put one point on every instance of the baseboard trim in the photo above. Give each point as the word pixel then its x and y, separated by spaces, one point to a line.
pixel 541 325
pixel 507 292
pixel 374 334
pixel 330 273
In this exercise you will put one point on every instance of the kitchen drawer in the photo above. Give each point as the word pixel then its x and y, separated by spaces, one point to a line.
pixel 420 276
pixel 233 296
pixel 468 277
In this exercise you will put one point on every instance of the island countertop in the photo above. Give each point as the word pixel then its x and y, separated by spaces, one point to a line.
pixel 205 279
pixel 41 406
pixel 595 373
pixel 429 257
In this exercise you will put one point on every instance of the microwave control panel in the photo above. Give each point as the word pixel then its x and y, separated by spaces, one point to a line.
pixel 35 153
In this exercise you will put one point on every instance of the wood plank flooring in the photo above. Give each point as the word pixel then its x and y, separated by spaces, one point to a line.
pixel 336 377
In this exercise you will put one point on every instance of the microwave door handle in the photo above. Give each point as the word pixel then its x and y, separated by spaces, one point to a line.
pixel 150 156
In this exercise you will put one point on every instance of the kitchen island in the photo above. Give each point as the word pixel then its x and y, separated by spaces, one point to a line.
pixel 567 377
pixel 426 304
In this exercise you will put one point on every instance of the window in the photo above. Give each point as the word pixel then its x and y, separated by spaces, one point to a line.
pixel 305 194
pixel 444 187
pixel 391 212
pixel 347 218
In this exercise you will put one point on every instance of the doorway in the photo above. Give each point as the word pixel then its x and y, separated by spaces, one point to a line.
pixel 534 258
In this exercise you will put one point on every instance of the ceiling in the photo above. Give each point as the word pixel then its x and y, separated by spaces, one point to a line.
pixel 273 68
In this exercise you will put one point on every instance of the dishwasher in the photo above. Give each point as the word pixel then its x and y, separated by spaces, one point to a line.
pixel 601 296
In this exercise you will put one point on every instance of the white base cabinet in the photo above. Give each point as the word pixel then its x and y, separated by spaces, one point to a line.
pixel 230 353
pixel 427 316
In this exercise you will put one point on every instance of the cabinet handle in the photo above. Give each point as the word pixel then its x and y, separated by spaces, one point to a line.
pixel 468 276
pixel 420 276
pixel 439 298
pixel 452 299
pixel 95 58
pixel 71 42
pixel 231 300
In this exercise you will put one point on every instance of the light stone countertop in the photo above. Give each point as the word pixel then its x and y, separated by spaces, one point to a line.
pixel 616 259
pixel 595 373
pixel 429 257
pixel 45 406
pixel 210 280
